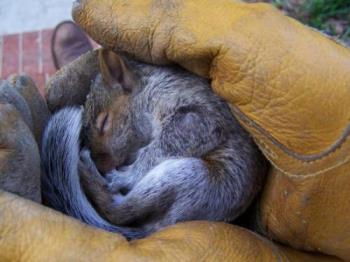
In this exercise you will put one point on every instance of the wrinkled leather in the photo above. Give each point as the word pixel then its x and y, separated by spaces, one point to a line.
pixel 19 153
pixel 30 232
pixel 288 85
pixel 70 85
pixel 19 156
pixel 36 102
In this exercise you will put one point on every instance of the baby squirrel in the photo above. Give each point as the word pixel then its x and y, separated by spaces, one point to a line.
pixel 163 148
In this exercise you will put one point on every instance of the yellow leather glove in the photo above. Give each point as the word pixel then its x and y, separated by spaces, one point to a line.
pixel 30 232
pixel 288 85
pixel 23 115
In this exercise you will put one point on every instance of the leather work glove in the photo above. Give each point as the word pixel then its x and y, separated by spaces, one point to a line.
pixel 287 84
pixel 23 115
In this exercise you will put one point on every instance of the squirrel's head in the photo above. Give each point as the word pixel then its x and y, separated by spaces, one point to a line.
pixel 110 132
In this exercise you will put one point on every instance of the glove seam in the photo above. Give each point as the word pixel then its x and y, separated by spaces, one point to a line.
pixel 302 158
pixel 270 153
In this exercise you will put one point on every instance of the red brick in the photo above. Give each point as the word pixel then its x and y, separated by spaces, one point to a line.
pixel 30 53
pixel 10 54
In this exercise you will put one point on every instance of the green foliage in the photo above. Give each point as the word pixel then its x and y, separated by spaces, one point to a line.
pixel 320 13
pixel 279 3
pixel 330 16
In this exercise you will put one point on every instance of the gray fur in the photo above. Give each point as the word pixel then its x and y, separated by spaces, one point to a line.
pixel 189 158
pixel 60 181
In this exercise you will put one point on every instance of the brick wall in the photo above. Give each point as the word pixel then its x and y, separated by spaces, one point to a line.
pixel 28 53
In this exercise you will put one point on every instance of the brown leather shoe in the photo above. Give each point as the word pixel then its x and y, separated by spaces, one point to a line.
pixel 68 42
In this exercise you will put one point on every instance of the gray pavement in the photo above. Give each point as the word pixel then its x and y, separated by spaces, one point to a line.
pixel 31 15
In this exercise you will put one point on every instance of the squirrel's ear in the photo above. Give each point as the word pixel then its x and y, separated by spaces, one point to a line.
pixel 114 71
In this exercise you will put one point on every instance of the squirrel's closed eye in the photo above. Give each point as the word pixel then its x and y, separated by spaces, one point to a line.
pixel 103 123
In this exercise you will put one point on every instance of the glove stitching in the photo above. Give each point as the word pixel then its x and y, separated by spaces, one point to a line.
pixel 303 158
pixel 270 154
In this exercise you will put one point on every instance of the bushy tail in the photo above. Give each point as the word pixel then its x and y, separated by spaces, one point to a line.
pixel 61 188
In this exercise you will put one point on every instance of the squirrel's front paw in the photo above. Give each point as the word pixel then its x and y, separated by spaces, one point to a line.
pixel 115 175
pixel 85 158
pixel 88 170
pixel 117 182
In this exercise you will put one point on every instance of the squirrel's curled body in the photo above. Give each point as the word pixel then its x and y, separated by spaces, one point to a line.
pixel 177 154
